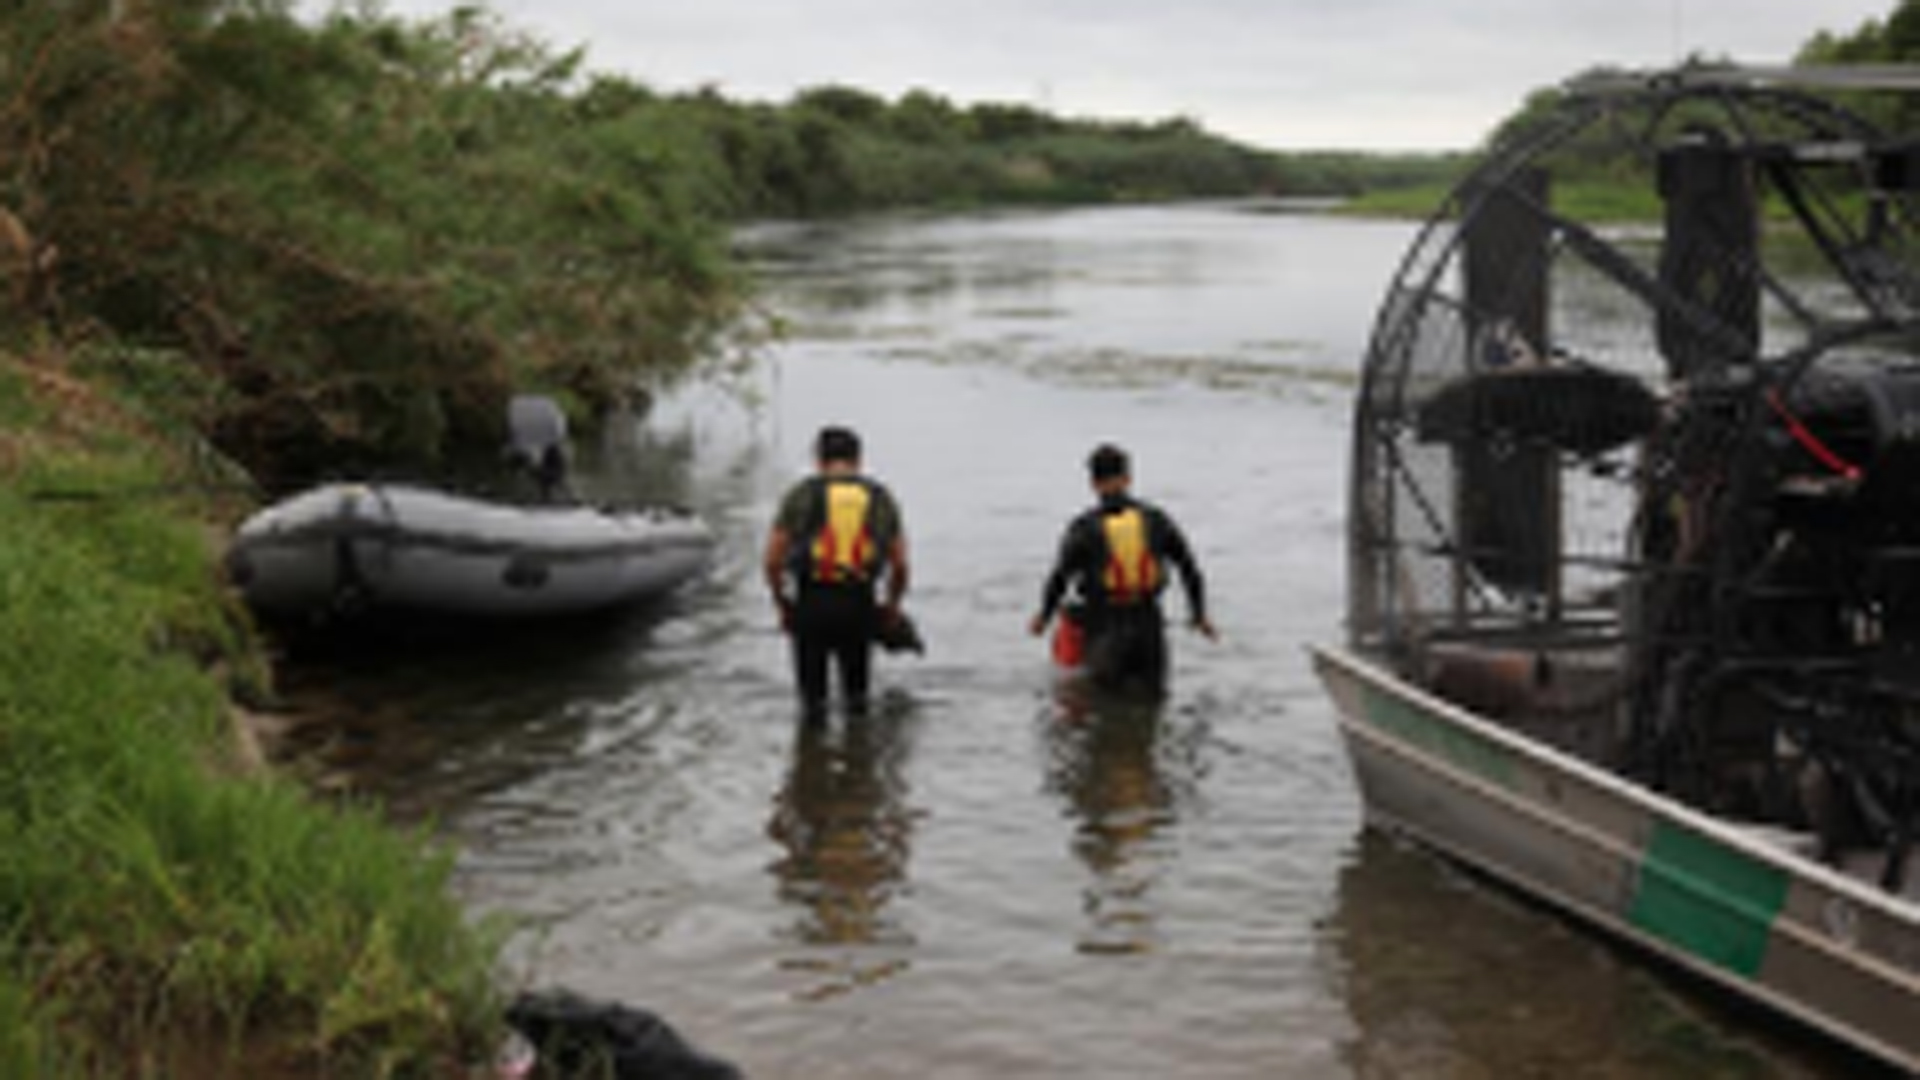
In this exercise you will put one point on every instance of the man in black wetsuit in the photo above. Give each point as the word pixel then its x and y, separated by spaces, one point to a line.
pixel 836 536
pixel 1114 557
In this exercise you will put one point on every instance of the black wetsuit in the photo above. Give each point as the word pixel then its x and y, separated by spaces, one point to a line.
pixel 1126 641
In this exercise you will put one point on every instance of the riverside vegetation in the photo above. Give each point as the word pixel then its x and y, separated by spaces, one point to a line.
pixel 1595 185
pixel 167 908
pixel 238 250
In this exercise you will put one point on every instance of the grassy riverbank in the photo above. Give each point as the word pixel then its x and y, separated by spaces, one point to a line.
pixel 1593 202
pixel 165 909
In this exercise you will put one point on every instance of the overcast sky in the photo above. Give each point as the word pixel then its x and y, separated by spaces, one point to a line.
pixel 1285 74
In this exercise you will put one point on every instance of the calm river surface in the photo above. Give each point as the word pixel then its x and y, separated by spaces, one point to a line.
pixel 987 878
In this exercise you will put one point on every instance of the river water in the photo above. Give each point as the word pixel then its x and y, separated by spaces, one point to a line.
pixel 991 876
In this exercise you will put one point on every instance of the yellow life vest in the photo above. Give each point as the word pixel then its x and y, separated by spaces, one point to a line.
pixel 843 548
pixel 1133 572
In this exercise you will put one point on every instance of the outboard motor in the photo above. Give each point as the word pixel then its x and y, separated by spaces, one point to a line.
pixel 539 444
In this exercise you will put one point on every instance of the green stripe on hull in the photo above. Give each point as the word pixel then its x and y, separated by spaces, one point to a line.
pixel 1419 728
pixel 1707 899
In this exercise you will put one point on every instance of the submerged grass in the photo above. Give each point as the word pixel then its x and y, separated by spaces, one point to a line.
pixel 153 893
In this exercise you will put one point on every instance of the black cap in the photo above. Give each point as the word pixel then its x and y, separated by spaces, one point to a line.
pixel 836 444
pixel 1106 462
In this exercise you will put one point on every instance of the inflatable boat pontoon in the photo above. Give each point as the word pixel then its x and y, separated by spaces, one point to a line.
pixel 380 547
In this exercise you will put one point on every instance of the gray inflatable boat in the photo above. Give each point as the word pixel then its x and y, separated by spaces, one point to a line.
pixel 391 547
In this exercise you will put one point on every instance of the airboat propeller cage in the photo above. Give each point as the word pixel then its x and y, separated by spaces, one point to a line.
pixel 1671 469
pixel 1709 258
pixel 1507 456
pixel 1508 498
pixel 1475 303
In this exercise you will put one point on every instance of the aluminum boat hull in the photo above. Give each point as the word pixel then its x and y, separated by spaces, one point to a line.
pixel 1750 909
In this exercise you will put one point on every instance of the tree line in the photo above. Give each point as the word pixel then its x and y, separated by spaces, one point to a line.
pixel 355 236
pixel 1894 39
pixel 1594 180
pixel 343 243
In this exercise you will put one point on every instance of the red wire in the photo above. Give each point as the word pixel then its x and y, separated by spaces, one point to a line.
pixel 1806 438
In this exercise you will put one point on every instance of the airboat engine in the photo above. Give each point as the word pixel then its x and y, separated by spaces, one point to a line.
pixel 1781 532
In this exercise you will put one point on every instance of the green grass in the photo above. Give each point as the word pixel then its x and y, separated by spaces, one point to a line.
pixel 151 892
pixel 1603 202
pixel 1594 202
pixel 1401 202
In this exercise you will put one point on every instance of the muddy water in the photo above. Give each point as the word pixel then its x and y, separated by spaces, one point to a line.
pixel 992 876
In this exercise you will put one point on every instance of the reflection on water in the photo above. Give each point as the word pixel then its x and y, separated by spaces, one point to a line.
pixel 1446 976
pixel 845 827
pixel 1103 755
pixel 419 713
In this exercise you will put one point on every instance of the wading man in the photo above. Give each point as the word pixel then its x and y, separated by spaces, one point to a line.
pixel 1113 561
pixel 836 563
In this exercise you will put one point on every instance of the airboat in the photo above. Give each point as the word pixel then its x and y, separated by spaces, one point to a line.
pixel 1633 618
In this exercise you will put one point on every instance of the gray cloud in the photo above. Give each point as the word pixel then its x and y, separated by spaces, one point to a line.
pixel 1278 73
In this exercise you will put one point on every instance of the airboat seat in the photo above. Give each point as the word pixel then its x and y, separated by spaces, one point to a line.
pixel 1490 680
pixel 1575 407
pixel 1567 698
